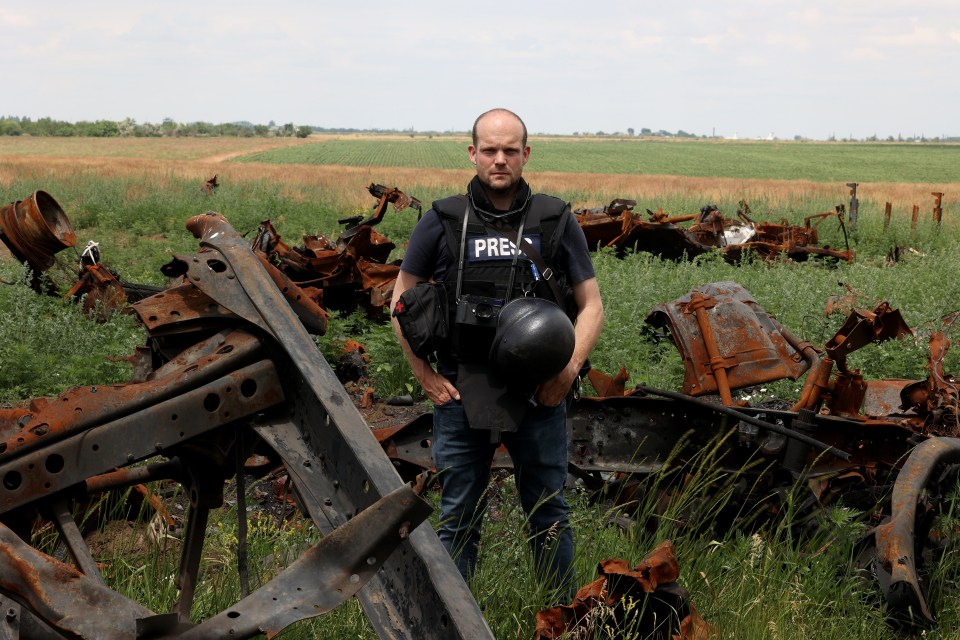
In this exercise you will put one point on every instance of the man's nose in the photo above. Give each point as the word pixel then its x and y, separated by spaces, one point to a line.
pixel 500 158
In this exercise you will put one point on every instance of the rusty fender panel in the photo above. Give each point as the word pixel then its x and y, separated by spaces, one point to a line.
pixel 349 466
pixel 81 408
pixel 326 575
pixel 895 564
pixel 157 428
pixel 752 348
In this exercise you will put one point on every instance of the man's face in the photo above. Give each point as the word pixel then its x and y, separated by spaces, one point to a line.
pixel 499 153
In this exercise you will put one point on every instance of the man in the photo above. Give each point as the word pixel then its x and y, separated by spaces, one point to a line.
pixel 469 243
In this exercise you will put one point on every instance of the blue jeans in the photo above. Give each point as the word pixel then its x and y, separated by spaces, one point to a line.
pixel 539 452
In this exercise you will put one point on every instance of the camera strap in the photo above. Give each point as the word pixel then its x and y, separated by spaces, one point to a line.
pixel 531 252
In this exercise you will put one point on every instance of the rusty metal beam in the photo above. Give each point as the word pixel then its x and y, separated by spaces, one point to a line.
pixel 344 450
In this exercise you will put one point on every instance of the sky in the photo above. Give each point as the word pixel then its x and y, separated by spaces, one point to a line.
pixel 744 68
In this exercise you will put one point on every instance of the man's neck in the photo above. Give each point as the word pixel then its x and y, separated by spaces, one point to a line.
pixel 501 200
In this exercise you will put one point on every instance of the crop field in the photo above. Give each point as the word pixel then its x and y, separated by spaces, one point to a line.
pixel 134 195
pixel 818 162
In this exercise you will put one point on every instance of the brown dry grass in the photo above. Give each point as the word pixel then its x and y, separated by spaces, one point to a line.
pixel 210 149
pixel 166 159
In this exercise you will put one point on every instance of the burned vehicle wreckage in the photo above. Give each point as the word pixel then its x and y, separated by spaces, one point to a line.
pixel 617 226
pixel 231 370
pixel 886 447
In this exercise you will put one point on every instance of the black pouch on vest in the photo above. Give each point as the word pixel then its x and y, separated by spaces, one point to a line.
pixel 421 313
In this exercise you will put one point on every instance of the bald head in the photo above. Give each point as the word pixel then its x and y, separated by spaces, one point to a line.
pixel 501 113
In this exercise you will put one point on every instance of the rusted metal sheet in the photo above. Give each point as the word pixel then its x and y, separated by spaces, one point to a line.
pixel 727 341
pixel 220 344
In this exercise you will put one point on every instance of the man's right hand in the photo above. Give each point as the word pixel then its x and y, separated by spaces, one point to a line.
pixel 438 388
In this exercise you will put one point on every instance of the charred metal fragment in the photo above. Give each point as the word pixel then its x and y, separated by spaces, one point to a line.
pixel 346 272
pixel 659 608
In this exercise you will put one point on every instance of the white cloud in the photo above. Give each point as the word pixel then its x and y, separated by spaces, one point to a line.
pixel 916 37
pixel 793 41
pixel 865 53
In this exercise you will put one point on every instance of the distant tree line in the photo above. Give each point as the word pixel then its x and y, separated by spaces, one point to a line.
pixel 16 126
pixel 19 125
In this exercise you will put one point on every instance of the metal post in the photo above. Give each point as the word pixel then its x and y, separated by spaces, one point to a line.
pixel 854 205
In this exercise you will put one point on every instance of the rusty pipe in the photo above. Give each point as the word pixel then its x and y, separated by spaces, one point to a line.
pixel 36 228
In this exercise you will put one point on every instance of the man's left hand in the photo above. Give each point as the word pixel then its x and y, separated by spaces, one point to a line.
pixel 552 392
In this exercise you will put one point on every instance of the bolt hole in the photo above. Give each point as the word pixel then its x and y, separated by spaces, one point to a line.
pixel 211 402
pixel 216 265
pixel 248 388
pixel 54 463
pixel 12 481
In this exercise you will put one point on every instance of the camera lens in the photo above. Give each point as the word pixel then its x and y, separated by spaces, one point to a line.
pixel 484 310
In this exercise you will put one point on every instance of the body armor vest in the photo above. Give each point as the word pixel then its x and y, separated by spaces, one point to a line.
pixel 489 267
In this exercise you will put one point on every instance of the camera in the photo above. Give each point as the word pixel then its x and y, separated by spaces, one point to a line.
pixel 478 311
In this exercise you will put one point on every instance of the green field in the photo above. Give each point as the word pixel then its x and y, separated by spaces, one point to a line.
pixel 768 585
pixel 819 162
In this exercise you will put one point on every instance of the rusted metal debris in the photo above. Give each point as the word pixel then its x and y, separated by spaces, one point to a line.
pixel 209 186
pixel 349 271
pixel 618 227
pixel 35 230
pixel 845 440
pixel 340 275
pixel 643 602
pixel 231 372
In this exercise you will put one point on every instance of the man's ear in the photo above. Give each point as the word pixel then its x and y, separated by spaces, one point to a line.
pixel 472 152
pixel 526 154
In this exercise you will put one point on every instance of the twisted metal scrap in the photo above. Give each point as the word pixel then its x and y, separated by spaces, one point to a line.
pixel 646 600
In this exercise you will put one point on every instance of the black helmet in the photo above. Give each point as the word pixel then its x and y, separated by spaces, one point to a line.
pixel 534 342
